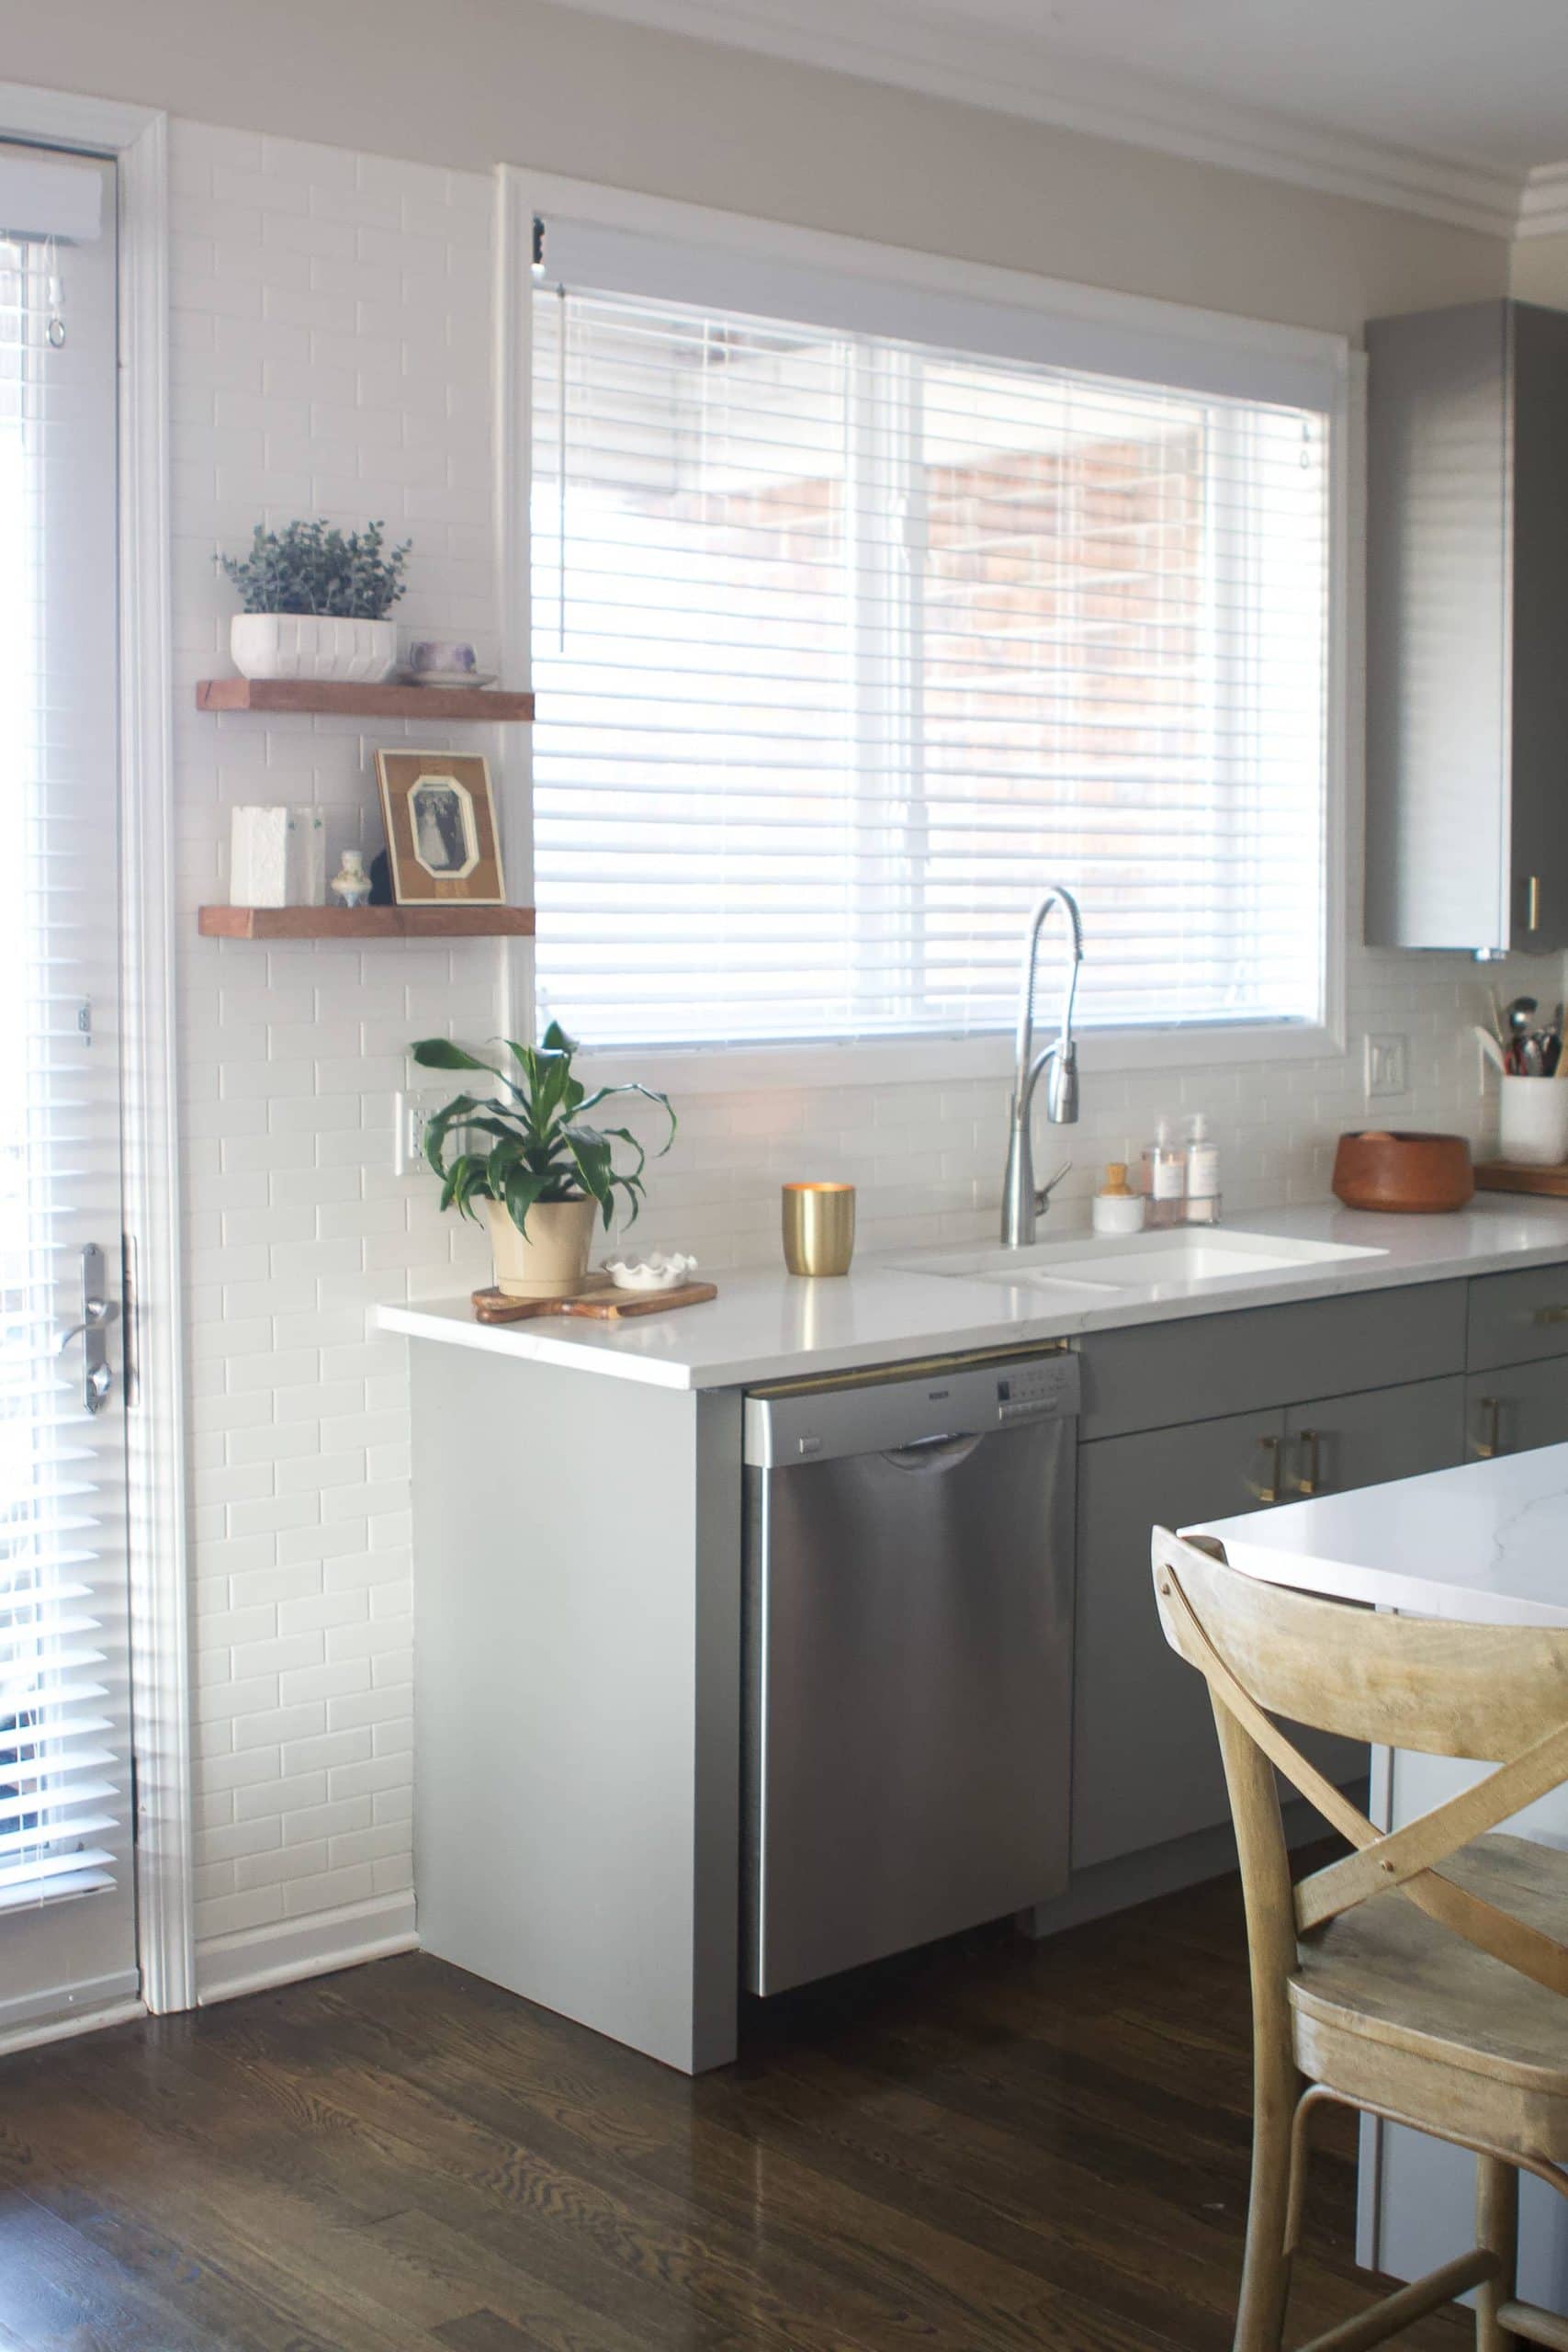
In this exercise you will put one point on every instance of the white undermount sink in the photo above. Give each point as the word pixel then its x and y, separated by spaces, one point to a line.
pixel 1160 1262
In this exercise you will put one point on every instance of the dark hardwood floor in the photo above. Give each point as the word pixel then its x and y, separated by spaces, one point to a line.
pixel 988 2145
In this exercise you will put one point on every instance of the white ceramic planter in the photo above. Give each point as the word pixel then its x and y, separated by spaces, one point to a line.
pixel 1532 1121
pixel 550 1260
pixel 305 645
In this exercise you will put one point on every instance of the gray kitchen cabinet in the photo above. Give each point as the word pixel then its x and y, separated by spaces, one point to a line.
pixel 1516 1408
pixel 1467 613
pixel 1518 1318
pixel 1145 1761
pixel 1156 1373
pixel 1341 1443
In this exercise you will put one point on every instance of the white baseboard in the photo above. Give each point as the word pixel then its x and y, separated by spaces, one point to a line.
pixel 57 2028
pixel 284 1951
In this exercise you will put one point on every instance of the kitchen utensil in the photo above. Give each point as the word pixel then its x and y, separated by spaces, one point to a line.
pixel 1532 1122
pixel 1406 1174
pixel 601 1300
pixel 1491 1047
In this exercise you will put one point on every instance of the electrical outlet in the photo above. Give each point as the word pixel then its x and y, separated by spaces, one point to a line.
pixel 1387 1066
pixel 409 1113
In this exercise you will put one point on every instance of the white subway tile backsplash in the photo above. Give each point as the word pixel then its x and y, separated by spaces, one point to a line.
pixel 325 305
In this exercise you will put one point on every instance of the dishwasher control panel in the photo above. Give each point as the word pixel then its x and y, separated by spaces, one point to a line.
pixel 1050 1386
pixel 839 1419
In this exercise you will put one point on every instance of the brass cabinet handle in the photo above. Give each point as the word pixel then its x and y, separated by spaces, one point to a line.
pixel 1532 916
pixel 1489 1445
pixel 1311 1479
pixel 1267 1489
pixel 1552 1314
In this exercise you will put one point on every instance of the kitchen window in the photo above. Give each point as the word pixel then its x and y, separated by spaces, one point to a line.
pixel 845 640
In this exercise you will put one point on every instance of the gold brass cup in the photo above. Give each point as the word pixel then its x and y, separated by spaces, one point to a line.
pixel 818 1228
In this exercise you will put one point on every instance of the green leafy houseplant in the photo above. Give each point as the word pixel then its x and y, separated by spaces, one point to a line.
pixel 314 567
pixel 542 1150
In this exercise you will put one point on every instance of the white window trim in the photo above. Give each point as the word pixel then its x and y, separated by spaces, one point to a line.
pixel 137 137
pixel 722 1069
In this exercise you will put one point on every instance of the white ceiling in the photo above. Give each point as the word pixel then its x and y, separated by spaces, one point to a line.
pixel 1455 108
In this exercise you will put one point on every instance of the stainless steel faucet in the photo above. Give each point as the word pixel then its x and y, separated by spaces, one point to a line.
pixel 1021 1204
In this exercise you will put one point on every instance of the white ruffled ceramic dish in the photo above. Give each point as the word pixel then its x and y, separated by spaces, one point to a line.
pixel 658 1272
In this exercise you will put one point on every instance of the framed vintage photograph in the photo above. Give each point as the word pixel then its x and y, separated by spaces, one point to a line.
pixel 441 839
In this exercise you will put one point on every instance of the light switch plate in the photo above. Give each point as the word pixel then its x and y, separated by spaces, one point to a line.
pixel 1387 1064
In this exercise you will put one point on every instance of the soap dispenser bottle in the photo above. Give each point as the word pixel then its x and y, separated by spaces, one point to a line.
pixel 1164 1177
pixel 1203 1201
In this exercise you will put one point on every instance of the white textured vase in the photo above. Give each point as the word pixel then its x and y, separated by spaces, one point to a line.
pixel 550 1260
pixel 307 645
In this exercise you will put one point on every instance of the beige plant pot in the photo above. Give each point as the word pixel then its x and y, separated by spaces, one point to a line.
pixel 550 1260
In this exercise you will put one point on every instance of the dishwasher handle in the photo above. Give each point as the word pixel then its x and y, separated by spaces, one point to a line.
pixel 934 1454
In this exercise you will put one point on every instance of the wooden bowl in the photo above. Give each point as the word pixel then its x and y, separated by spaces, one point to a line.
pixel 1409 1175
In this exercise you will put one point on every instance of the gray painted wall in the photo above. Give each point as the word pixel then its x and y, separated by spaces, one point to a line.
pixel 476 82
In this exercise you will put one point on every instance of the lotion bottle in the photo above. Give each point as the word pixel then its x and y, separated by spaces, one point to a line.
pixel 1165 1177
pixel 1202 1203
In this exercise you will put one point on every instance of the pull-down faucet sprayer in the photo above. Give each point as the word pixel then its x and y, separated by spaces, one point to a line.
pixel 1021 1204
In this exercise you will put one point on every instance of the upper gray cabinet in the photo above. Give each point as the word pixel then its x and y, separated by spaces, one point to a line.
pixel 1467 629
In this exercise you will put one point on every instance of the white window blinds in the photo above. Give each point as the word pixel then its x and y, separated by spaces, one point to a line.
pixel 64 1816
pixel 844 643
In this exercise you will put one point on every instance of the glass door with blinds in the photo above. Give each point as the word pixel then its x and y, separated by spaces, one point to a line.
pixel 845 642
pixel 67 1896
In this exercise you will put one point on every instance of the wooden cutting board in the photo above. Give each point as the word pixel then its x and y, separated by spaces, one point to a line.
pixel 1513 1176
pixel 601 1300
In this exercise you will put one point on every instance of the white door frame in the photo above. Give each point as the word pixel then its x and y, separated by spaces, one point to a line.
pixel 137 137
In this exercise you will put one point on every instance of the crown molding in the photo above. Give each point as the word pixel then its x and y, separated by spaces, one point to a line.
pixel 882 40
pixel 106 125
pixel 1544 202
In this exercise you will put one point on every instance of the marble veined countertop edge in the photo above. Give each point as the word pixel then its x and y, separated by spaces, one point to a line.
pixel 1485 1543
pixel 769 1325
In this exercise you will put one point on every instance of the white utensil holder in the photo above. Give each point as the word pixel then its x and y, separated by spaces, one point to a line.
pixel 1532 1121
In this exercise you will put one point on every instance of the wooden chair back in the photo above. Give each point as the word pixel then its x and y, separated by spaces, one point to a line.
pixel 1493 1693
pixel 1481 1691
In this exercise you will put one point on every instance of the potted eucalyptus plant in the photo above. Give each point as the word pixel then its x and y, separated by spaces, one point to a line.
pixel 315 602
pixel 528 1155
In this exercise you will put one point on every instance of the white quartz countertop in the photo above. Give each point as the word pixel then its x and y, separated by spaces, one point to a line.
pixel 770 1324
pixel 1487 1544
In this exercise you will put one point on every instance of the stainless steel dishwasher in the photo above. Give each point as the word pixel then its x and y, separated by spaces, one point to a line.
pixel 908 1595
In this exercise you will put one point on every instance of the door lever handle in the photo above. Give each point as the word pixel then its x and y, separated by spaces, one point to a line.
pixel 98 1312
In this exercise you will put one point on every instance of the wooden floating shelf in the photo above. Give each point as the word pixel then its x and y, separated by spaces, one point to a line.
pixel 366 923
pixel 480 706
